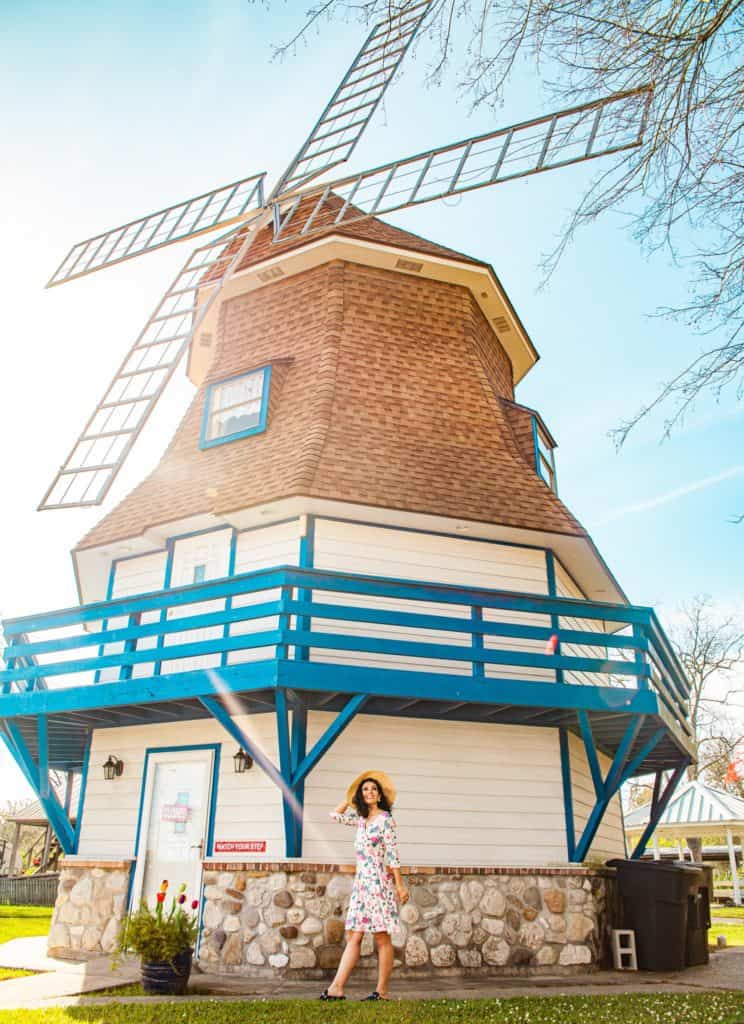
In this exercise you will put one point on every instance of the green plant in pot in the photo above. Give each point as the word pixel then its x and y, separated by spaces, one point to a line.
pixel 164 942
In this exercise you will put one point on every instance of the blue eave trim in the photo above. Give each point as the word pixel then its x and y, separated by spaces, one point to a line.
pixel 262 416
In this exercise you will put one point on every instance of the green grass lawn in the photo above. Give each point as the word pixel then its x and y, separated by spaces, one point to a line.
pixel 734 934
pixel 710 1008
pixel 732 912
pixel 21 922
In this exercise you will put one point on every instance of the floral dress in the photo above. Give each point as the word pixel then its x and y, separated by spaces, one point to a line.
pixel 373 906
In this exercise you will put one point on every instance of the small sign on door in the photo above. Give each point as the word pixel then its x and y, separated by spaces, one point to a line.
pixel 175 812
pixel 240 846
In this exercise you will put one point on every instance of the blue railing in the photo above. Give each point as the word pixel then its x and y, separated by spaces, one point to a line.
pixel 289 613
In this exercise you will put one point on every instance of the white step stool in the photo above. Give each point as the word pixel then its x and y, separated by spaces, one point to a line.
pixel 624 950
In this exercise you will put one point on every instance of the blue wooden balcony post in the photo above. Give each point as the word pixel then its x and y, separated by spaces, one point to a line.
pixel 125 672
pixel 479 669
pixel 555 621
pixel 641 659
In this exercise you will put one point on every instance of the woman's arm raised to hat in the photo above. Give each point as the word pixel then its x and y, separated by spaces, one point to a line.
pixel 345 819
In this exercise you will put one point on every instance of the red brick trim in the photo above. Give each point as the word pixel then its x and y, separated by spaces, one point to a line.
pixel 294 867
pixel 112 865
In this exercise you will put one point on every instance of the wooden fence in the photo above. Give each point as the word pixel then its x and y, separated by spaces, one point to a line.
pixel 35 891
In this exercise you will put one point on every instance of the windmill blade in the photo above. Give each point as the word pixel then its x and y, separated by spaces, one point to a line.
pixel 216 209
pixel 99 452
pixel 341 124
pixel 608 125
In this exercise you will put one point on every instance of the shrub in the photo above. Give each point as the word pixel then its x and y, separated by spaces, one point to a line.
pixel 156 937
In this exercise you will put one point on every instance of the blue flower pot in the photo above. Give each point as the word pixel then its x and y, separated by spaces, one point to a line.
pixel 168 978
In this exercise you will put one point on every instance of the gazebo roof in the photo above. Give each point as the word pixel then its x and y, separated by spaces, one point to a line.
pixel 34 814
pixel 695 804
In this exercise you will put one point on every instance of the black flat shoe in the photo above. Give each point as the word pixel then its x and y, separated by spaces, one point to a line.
pixel 374 996
pixel 327 999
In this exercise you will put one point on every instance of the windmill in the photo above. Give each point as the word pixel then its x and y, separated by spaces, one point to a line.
pixel 299 206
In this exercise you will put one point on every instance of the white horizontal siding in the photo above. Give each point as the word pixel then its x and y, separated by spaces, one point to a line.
pixel 256 550
pixel 429 558
pixel 609 840
pixel 140 575
pixel 467 793
pixel 211 552
pixel 566 587
pixel 248 807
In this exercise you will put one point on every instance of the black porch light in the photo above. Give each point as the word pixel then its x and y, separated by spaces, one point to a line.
pixel 242 762
pixel 113 768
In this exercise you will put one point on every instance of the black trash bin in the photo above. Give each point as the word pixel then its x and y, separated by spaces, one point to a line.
pixel 655 898
pixel 698 919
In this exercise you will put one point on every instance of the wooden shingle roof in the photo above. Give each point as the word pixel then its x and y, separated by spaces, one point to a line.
pixel 387 390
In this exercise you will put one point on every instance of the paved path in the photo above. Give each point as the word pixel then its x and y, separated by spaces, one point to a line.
pixel 68 983
pixel 60 980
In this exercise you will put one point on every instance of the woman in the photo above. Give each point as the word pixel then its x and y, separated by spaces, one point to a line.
pixel 377 884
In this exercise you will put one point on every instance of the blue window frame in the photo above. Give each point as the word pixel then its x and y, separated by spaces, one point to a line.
pixel 236 407
pixel 544 455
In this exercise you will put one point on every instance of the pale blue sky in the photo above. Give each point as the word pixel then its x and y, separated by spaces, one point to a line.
pixel 116 109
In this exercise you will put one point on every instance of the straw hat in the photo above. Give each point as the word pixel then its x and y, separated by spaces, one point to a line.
pixel 384 780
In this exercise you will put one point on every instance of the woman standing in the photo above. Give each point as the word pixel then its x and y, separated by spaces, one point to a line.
pixel 378 886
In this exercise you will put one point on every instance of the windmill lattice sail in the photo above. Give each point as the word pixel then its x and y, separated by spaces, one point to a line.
pixel 98 454
pixel 208 212
pixel 343 121
pixel 605 126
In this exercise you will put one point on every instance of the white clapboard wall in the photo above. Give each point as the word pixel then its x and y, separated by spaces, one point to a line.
pixel 429 558
pixel 468 793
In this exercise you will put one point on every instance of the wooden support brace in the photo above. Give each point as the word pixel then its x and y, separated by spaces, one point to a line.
pixel 659 804
pixel 608 787
pixel 52 808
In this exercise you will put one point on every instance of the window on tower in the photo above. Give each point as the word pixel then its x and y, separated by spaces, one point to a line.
pixel 544 455
pixel 236 408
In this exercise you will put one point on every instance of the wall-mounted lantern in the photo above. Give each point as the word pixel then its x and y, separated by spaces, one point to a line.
pixel 113 768
pixel 242 762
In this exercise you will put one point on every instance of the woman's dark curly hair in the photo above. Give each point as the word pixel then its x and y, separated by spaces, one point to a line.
pixel 358 800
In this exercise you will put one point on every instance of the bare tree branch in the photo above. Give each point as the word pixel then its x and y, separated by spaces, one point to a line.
pixel 687 178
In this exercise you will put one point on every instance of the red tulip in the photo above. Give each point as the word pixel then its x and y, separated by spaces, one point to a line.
pixel 194 904
pixel 161 897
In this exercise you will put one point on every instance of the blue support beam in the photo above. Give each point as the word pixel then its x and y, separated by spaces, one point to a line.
pixel 215 708
pixel 42 728
pixel 609 787
pixel 567 793
pixel 54 811
pixel 329 737
pixel 298 747
pixel 81 794
pixel 291 808
pixel 294 764
pixel 659 804
pixel 591 753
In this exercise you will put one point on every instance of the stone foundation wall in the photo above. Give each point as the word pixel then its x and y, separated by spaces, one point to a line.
pixel 91 901
pixel 288 918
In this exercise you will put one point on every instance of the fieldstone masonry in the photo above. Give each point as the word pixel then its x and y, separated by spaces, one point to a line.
pixel 91 901
pixel 288 918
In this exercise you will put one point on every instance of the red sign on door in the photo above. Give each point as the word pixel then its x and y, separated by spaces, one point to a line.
pixel 240 846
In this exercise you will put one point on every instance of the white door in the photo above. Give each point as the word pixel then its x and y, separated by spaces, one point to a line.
pixel 175 823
